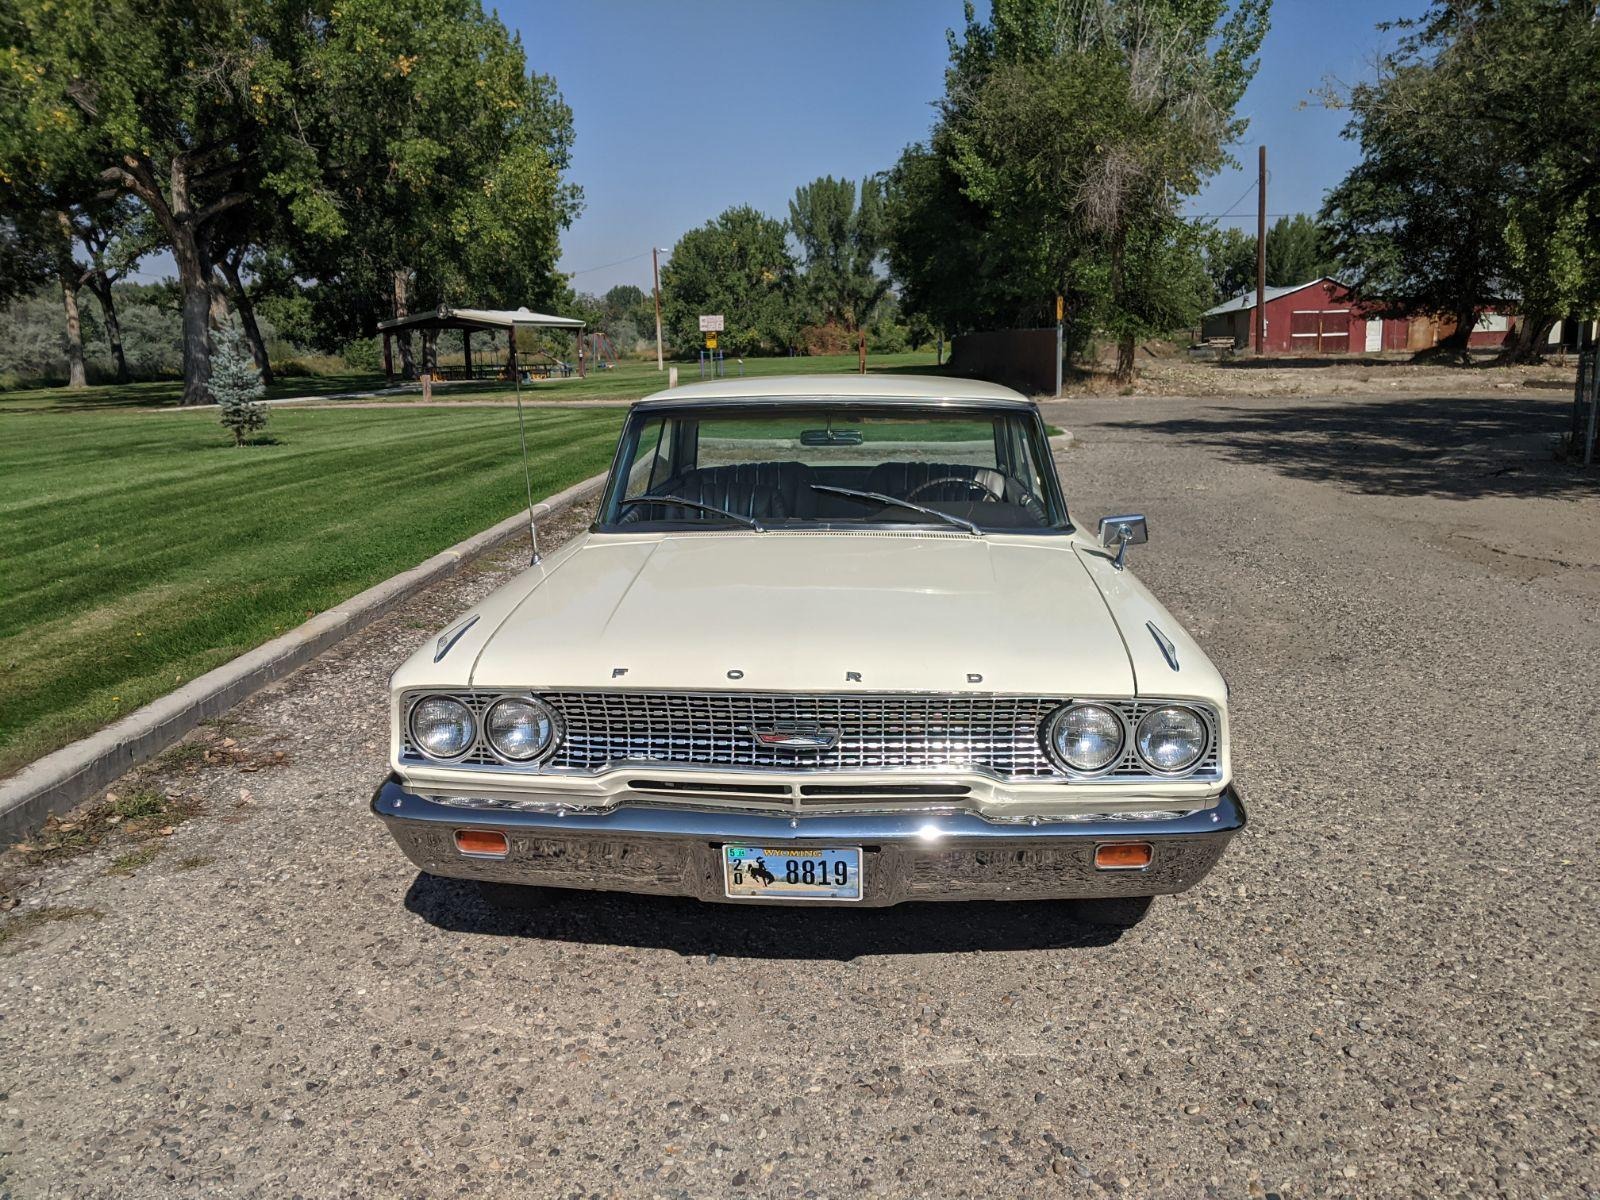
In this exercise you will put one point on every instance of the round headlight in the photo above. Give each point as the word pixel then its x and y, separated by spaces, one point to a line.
pixel 520 729
pixel 1087 737
pixel 1171 738
pixel 442 727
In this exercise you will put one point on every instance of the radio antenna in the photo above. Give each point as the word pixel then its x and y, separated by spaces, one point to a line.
pixel 522 434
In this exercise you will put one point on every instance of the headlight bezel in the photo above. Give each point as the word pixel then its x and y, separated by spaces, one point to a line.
pixel 1059 757
pixel 1204 744
pixel 547 748
pixel 422 746
pixel 1130 765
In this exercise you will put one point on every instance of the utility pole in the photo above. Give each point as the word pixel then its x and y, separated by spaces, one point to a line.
pixel 1261 257
pixel 655 273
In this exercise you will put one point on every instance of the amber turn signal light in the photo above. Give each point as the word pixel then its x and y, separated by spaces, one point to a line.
pixel 484 842
pixel 1125 856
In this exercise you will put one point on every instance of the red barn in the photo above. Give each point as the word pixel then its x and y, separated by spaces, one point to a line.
pixel 1319 317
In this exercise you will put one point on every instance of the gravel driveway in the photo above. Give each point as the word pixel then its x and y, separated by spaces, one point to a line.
pixel 1387 988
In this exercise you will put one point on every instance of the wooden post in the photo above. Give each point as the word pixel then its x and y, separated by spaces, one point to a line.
pixel 1261 256
pixel 466 351
pixel 862 369
pixel 655 274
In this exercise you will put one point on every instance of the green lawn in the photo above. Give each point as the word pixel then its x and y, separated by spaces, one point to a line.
pixel 164 393
pixel 141 549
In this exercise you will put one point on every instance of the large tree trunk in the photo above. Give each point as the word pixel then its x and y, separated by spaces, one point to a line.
pixel 76 376
pixel 70 275
pixel 1526 344
pixel 101 287
pixel 196 317
pixel 247 317
pixel 1125 353
pixel 408 363
pixel 1125 342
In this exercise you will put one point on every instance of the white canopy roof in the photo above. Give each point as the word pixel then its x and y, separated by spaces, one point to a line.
pixel 445 317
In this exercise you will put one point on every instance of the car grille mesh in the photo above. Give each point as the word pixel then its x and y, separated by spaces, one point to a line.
pixel 882 732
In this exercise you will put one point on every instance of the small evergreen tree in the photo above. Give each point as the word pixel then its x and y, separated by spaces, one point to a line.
pixel 236 385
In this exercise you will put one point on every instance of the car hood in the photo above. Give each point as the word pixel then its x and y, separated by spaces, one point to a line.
pixel 818 612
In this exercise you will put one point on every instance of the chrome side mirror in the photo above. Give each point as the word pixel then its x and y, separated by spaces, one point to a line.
pixel 1122 532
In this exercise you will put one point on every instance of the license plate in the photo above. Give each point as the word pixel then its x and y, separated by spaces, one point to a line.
pixel 769 873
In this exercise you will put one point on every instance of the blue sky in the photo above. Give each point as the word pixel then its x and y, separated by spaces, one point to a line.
pixel 684 110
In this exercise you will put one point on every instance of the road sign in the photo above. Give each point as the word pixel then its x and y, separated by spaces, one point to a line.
pixel 1061 309
pixel 711 341
pixel 711 324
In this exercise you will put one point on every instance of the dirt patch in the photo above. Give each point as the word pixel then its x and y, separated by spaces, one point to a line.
pixel 1167 370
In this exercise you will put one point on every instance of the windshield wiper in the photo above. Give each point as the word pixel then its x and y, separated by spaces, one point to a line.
pixel 896 502
pixel 710 508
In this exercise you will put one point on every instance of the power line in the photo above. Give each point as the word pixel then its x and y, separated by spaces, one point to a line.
pixel 604 266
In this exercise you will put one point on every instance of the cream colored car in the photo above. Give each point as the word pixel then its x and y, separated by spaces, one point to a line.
pixel 828 641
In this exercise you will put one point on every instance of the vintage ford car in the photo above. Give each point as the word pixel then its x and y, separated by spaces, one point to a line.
pixel 828 640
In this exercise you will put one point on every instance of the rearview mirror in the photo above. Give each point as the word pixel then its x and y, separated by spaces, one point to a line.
pixel 830 437
pixel 1122 532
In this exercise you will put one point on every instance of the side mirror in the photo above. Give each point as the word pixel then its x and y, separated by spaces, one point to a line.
pixel 1122 532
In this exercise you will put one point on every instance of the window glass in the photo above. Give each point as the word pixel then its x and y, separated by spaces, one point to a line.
pixel 788 467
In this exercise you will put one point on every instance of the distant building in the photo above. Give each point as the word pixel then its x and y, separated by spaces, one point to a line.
pixel 1319 317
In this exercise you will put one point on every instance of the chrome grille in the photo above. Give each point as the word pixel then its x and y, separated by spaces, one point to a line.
pixel 876 732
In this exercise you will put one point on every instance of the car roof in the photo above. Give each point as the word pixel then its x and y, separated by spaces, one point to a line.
pixel 915 390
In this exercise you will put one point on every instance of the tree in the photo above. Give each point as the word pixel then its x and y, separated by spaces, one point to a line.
pixel 1230 257
pixel 396 151
pixel 738 265
pixel 1478 180
pixel 440 178
pixel 171 104
pixel 116 235
pixel 236 386
pixel 1070 129
pixel 1418 225
pixel 841 245
pixel 1297 251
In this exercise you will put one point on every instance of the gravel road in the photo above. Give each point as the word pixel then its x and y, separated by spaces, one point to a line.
pixel 1387 988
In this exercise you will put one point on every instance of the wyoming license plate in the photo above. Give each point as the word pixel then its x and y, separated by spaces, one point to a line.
pixel 769 873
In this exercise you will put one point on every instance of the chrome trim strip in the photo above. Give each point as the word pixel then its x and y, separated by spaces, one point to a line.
pixel 1168 650
pixel 392 801
pixel 449 638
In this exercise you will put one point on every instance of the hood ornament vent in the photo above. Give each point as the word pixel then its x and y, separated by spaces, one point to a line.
pixel 450 637
pixel 1168 650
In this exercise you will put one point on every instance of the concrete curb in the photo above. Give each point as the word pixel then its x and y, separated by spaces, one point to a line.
pixel 70 775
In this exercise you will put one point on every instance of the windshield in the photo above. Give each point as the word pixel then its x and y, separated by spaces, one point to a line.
pixel 966 470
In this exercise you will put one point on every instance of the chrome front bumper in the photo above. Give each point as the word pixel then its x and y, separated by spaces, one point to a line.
pixel 670 850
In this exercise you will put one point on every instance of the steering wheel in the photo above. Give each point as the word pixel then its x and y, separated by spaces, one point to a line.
pixel 971 485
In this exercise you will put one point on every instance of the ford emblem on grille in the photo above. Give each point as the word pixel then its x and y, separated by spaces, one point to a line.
pixel 796 735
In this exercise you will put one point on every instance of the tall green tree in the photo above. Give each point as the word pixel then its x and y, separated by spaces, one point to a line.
pixel 739 266
pixel 1478 180
pixel 439 173
pixel 396 151
pixel 170 104
pixel 840 232
pixel 1072 129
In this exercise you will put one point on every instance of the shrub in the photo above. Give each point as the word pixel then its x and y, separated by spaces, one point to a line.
pixel 236 385
pixel 362 354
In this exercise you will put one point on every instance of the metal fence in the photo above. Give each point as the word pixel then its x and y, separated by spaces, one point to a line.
pixel 1586 407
